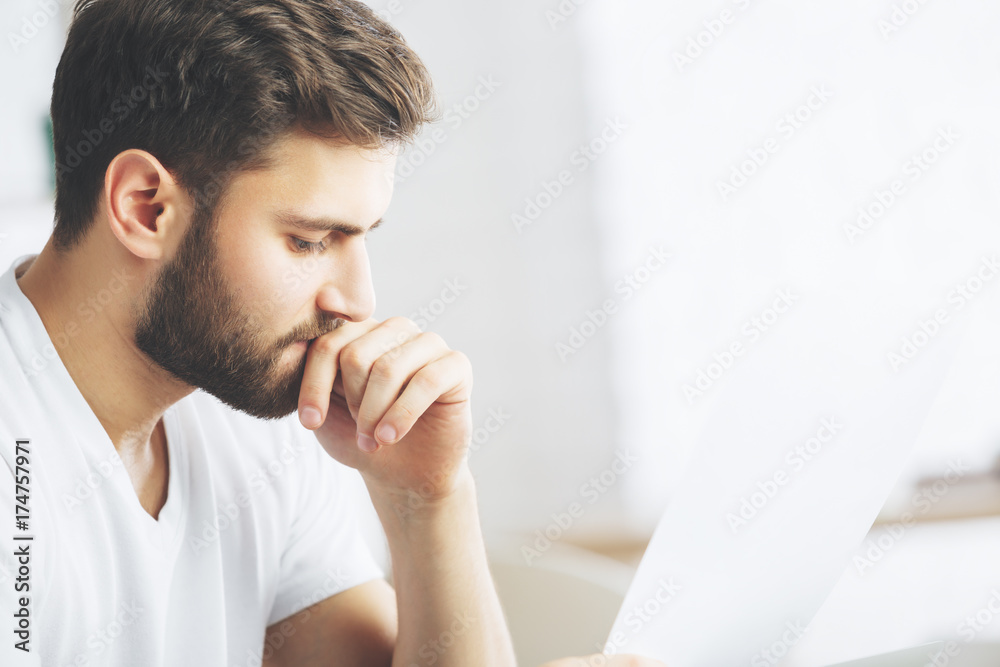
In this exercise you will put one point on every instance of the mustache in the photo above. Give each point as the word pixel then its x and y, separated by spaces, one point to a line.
pixel 332 324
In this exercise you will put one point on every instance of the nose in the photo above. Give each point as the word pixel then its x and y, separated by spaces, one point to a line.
pixel 348 293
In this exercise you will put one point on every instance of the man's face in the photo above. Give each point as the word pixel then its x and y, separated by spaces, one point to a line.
pixel 232 312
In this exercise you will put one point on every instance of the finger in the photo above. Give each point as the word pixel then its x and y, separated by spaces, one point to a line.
pixel 321 369
pixel 359 355
pixel 389 376
pixel 447 379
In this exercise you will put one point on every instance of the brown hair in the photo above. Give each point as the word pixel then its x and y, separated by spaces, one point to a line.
pixel 207 86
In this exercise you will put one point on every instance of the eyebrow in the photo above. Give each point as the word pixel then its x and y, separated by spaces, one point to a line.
pixel 322 224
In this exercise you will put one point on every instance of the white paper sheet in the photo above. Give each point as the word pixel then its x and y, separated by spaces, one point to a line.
pixel 756 535
pixel 912 657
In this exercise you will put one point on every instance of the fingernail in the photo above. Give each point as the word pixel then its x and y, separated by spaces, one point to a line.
pixel 387 433
pixel 310 417
pixel 366 444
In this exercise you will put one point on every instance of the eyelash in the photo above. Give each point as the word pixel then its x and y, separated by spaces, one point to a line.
pixel 309 247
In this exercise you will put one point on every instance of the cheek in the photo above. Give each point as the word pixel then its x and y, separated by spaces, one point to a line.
pixel 292 278
pixel 272 280
pixel 287 286
pixel 267 282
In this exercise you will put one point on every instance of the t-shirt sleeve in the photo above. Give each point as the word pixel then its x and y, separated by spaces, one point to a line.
pixel 325 552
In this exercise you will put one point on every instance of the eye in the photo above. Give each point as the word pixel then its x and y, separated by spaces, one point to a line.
pixel 302 246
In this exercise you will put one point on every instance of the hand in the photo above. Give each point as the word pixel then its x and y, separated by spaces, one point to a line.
pixel 364 377
pixel 601 660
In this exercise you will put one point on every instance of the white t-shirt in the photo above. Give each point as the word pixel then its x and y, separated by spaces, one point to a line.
pixel 258 523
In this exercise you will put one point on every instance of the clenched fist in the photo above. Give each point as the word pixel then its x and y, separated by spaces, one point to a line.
pixel 392 402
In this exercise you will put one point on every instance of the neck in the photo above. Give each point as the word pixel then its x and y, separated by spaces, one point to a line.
pixel 84 299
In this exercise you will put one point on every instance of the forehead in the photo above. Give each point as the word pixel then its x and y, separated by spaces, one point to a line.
pixel 320 176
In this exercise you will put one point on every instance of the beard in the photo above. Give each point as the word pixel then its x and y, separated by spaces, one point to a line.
pixel 194 326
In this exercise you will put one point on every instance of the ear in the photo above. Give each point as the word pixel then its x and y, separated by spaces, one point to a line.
pixel 147 210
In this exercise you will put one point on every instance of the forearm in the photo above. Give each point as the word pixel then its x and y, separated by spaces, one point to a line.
pixel 449 613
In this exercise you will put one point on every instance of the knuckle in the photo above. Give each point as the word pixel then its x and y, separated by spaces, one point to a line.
pixel 312 389
pixel 461 360
pixel 433 337
pixel 323 345
pixel 367 417
pixel 428 377
pixel 394 348
pixel 405 412
pixel 401 322
pixel 383 369
pixel 352 357
pixel 354 408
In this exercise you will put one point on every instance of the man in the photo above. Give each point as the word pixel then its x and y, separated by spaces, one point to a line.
pixel 219 166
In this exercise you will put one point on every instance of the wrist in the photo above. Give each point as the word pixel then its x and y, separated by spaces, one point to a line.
pixel 430 500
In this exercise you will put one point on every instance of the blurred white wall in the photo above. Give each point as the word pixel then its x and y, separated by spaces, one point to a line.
pixel 808 111
pixel 33 34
